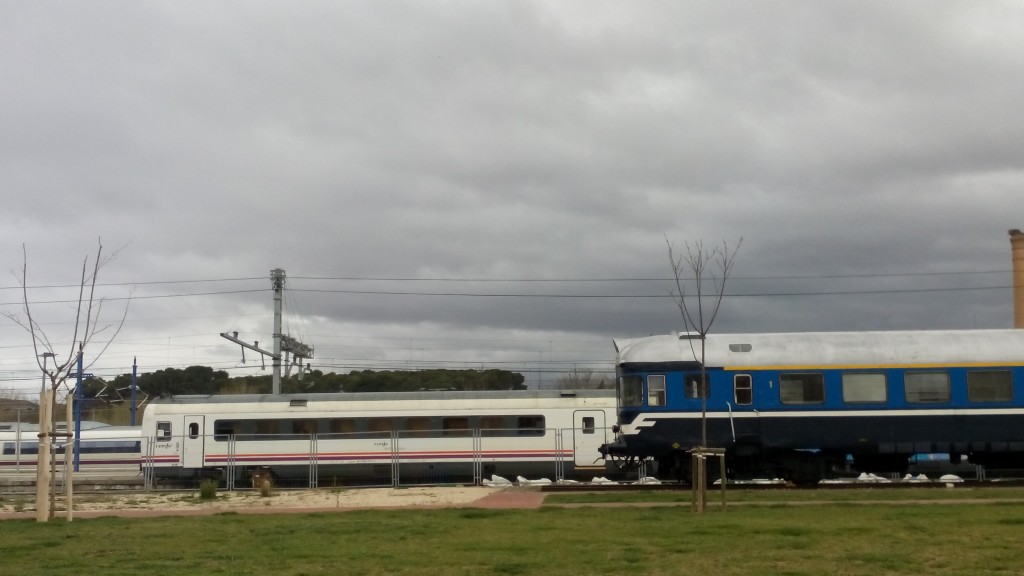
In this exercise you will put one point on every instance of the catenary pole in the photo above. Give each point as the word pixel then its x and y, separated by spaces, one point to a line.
pixel 277 277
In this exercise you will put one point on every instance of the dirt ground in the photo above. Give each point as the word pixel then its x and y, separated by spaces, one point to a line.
pixel 89 505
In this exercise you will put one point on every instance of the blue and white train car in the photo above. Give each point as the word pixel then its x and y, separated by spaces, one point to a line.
pixel 353 436
pixel 794 405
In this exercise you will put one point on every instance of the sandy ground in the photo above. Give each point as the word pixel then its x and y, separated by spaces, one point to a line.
pixel 252 500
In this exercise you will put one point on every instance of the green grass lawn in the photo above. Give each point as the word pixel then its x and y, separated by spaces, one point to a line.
pixel 831 538
pixel 879 493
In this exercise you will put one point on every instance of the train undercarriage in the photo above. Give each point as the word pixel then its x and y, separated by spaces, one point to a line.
pixel 804 467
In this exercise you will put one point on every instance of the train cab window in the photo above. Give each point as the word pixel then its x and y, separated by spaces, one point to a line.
pixel 743 391
pixel 631 391
pixel 589 424
pixel 163 431
pixel 343 426
pixel 455 426
pixel 990 386
pixel 694 386
pixel 193 430
pixel 926 387
pixel 806 388
pixel 530 425
pixel 860 387
pixel 656 390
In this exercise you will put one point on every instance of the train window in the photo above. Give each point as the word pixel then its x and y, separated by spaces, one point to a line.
pixel 859 387
pixel 743 391
pixel 631 391
pixel 493 426
pixel 990 386
pixel 692 386
pixel 343 425
pixel 802 388
pixel 456 426
pixel 379 425
pixel 926 387
pixel 530 425
pixel 268 427
pixel 163 431
pixel 589 425
pixel 193 430
pixel 305 427
pixel 28 448
pixel 415 424
pixel 223 429
pixel 9 448
pixel 656 390
pixel 109 447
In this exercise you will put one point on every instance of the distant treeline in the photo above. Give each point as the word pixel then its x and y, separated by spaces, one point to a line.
pixel 205 380
pixel 109 401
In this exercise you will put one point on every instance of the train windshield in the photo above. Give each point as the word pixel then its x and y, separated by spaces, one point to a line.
pixel 631 390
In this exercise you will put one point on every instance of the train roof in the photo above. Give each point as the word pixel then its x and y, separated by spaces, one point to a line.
pixel 895 348
pixel 382 396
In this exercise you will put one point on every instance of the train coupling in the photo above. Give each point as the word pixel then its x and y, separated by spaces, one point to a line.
pixel 613 449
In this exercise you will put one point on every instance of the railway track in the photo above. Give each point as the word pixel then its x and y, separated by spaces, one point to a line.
pixel 20 484
pixel 749 486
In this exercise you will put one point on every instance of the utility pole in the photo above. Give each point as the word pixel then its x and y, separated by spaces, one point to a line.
pixel 277 281
pixel 135 386
pixel 282 343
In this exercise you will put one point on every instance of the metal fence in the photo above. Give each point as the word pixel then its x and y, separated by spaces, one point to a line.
pixel 375 459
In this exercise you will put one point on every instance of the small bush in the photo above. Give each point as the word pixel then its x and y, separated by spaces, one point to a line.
pixel 266 488
pixel 208 490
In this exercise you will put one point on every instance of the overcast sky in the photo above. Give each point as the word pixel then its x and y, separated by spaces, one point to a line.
pixel 491 184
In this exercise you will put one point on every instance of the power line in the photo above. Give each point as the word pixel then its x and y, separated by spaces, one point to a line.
pixel 641 279
pixel 136 297
pixel 142 283
pixel 642 296
pixel 514 280
pixel 537 295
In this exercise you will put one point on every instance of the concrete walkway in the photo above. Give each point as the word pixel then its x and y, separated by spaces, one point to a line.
pixel 507 499
pixel 511 498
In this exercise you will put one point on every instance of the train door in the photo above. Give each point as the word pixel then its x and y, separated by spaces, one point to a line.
pixel 192 443
pixel 588 435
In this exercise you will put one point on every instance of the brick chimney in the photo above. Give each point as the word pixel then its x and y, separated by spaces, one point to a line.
pixel 1017 245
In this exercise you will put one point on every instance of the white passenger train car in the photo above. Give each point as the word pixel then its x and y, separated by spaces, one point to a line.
pixel 102 449
pixel 381 437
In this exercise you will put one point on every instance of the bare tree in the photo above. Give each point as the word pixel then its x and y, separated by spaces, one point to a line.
pixel 87 330
pixel 703 266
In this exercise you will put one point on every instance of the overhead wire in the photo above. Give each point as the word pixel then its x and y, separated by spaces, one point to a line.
pixel 330 362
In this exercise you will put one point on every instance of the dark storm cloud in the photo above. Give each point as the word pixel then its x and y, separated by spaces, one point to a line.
pixel 846 143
